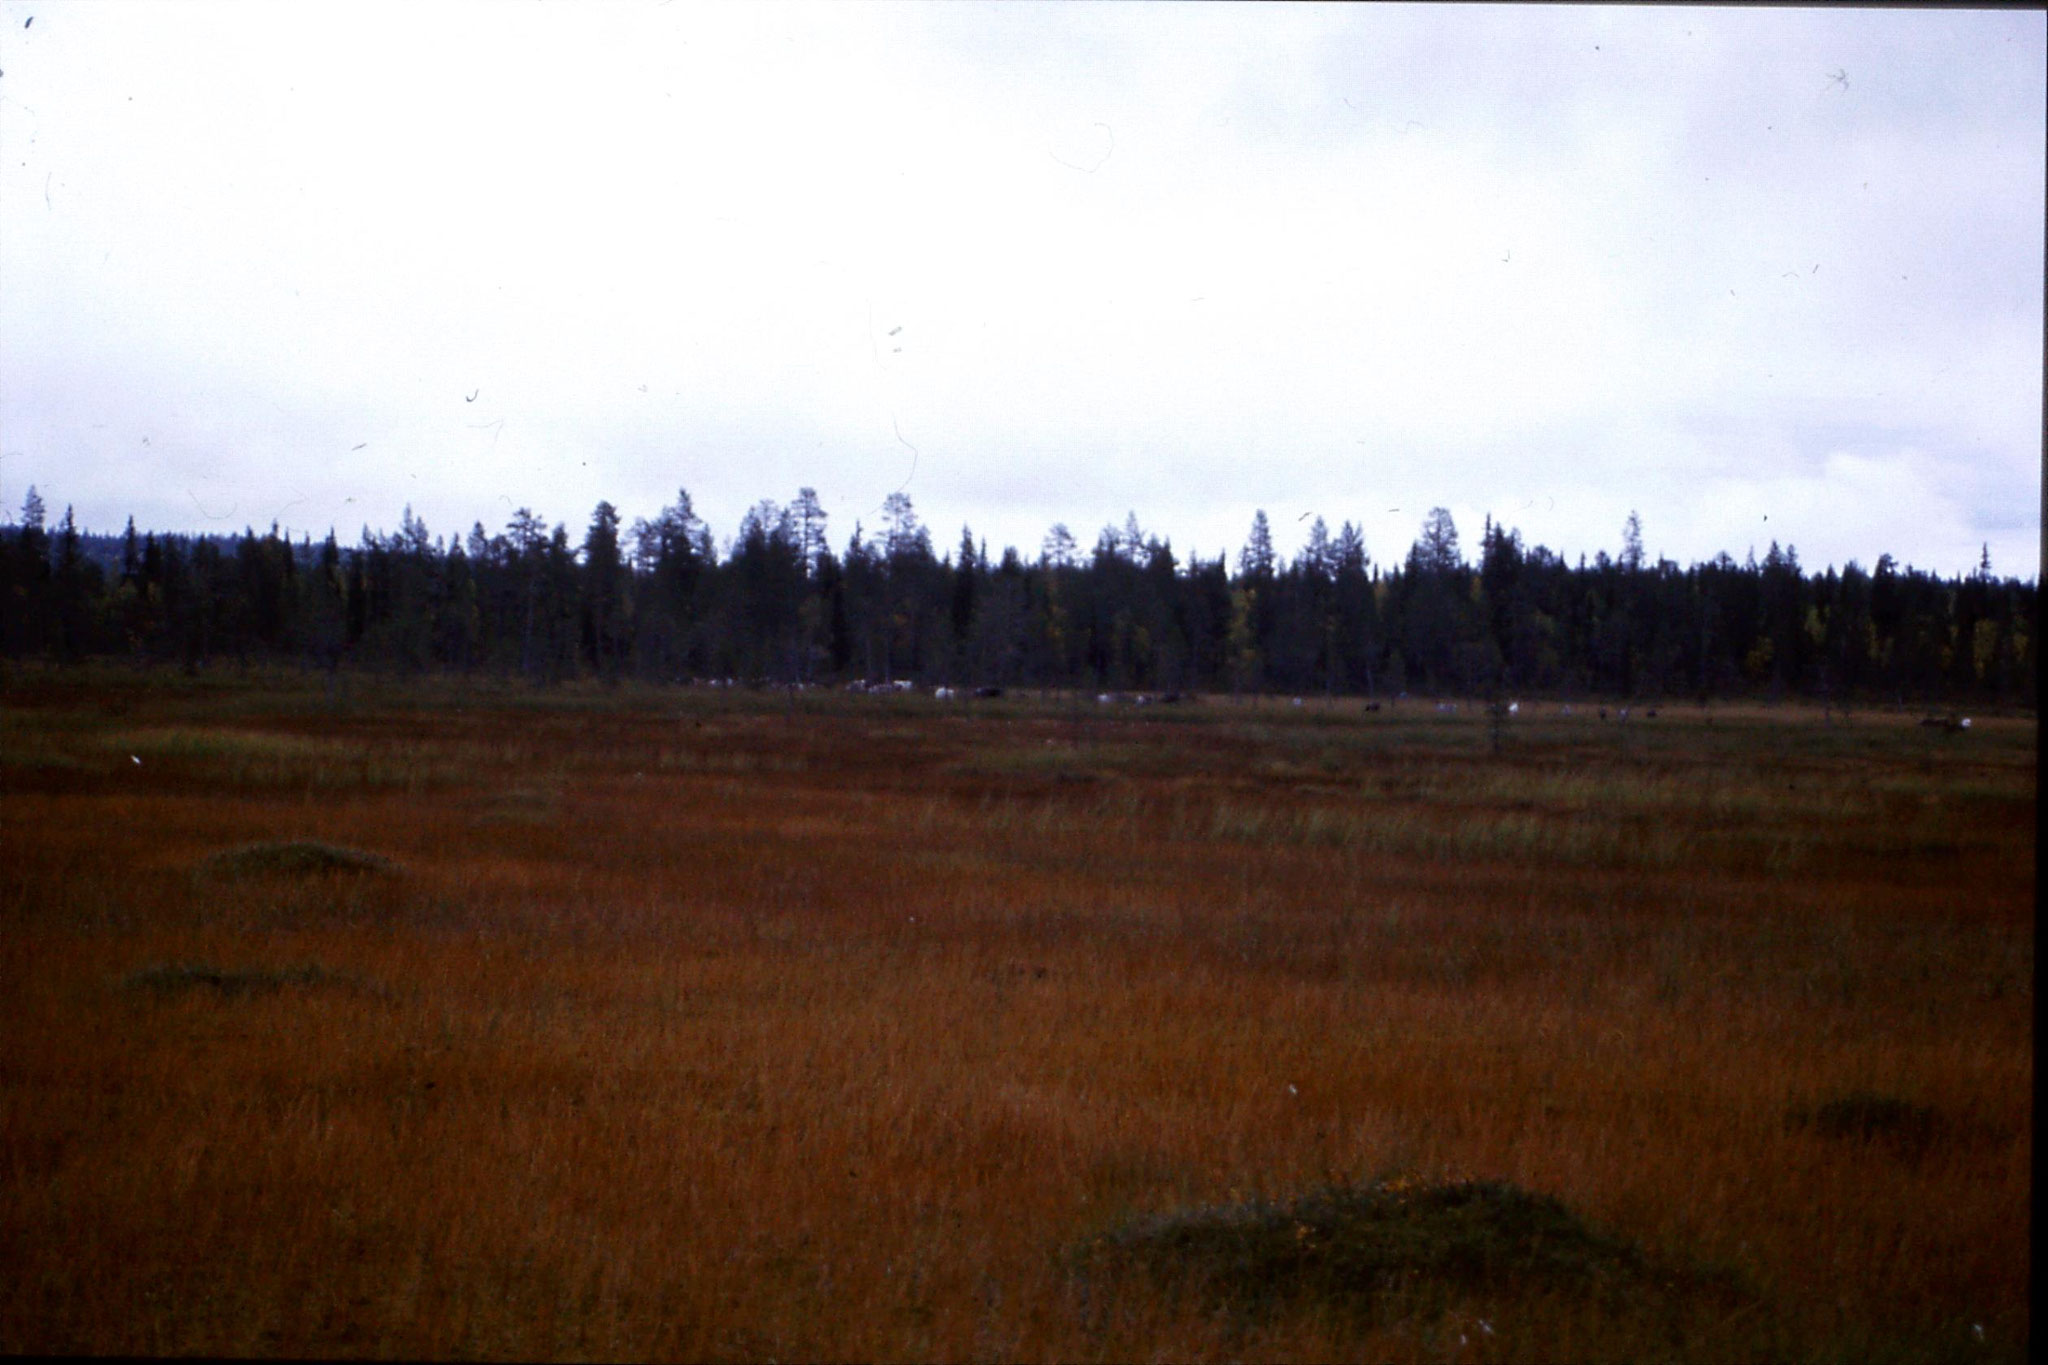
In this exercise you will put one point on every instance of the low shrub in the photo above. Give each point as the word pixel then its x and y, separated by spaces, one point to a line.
pixel 300 858
pixel 166 978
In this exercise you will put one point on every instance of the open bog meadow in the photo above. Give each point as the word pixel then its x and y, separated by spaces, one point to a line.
pixel 440 1019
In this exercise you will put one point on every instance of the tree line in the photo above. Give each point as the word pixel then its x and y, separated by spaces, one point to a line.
pixel 660 600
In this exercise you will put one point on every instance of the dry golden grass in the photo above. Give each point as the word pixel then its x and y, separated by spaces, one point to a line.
pixel 717 1028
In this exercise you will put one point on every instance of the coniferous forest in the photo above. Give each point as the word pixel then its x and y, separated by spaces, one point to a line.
pixel 662 601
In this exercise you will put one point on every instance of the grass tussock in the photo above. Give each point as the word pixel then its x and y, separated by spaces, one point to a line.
pixel 295 858
pixel 1865 1116
pixel 1396 1247
pixel 168 979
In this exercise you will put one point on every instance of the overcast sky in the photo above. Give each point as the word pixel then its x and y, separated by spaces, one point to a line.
pixel 1756 273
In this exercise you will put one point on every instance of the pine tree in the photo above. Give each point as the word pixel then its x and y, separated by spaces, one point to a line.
pixel 1632 544
pixel 1437 551
pixel 606 603
pixel 1256 560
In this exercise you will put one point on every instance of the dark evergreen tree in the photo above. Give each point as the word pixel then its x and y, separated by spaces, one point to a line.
pixel 605 606
pixel 781 607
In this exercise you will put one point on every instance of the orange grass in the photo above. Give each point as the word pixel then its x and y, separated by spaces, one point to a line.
pixel 723 1028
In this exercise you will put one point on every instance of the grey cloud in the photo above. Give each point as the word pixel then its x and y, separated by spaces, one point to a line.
pixel 1443 255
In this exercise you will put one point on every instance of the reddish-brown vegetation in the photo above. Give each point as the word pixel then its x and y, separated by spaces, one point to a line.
pixel 675 1026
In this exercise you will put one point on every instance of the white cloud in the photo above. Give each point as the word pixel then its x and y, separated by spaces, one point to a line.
pixel 1187 260
pixel 1854 507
